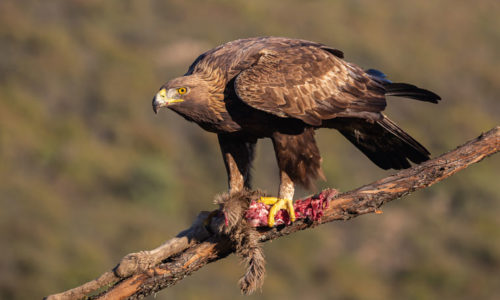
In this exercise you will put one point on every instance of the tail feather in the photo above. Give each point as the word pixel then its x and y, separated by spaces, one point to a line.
pixel 407 90
pixel 400 89
pixel 383 142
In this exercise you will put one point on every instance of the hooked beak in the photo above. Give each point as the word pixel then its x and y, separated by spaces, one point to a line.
pixel 162 99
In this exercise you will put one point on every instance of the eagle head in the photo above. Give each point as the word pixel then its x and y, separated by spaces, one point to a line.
pixel 187 89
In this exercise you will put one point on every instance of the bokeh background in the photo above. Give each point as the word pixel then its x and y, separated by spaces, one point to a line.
pixel 88 173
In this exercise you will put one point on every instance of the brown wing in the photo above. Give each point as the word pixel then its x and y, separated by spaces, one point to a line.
pixel 308 83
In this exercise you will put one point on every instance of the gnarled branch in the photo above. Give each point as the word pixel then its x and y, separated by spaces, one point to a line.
pixel 146 272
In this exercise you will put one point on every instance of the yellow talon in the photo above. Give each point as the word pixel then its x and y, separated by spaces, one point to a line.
pixel 278 204
pixel 268 200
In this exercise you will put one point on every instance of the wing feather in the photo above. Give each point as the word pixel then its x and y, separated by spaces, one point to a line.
pixel 308 82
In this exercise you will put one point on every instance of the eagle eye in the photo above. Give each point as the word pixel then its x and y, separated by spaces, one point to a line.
pixel 182 90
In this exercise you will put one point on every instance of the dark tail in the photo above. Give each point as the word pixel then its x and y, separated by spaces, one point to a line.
pixel 403 89
pixel 383 142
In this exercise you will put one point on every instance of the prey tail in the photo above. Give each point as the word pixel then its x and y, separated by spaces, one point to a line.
pixel 383 142
pixel 400 89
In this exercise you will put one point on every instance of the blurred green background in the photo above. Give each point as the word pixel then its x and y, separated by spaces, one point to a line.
pixel 88 173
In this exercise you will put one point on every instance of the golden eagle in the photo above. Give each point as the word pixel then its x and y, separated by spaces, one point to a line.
pixel 285 89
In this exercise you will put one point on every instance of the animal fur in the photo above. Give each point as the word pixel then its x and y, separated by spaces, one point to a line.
pixel 244 237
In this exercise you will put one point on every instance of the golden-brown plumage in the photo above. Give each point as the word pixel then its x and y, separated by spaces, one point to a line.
pixel 284 89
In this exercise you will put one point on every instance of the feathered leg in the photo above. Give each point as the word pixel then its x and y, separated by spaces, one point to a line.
pixel 299 162
pixel 238 154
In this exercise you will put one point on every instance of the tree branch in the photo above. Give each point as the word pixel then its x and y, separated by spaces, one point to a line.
pixel 141 274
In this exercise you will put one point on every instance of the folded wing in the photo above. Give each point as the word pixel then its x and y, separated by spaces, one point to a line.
pixel 308 83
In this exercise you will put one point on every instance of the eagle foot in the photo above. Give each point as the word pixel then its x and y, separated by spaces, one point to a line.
pixel 277 205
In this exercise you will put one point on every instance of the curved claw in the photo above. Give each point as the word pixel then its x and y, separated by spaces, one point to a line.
pixel 277 205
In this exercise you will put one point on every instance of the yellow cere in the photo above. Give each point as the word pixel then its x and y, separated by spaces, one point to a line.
pixel 163 93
